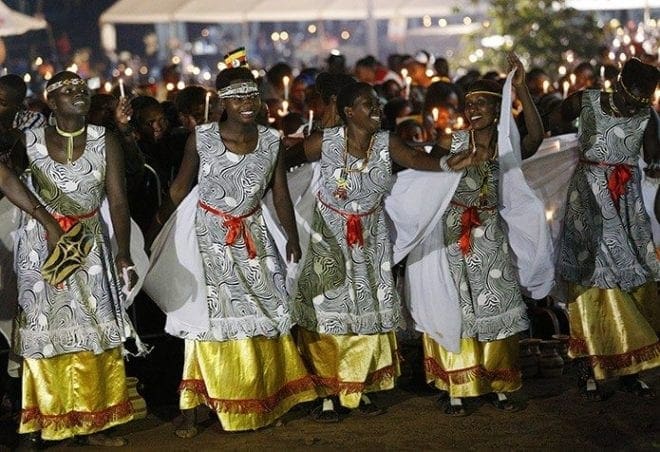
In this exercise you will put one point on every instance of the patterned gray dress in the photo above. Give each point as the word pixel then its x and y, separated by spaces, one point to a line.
pixel 246 296
pixel 346 289
pixel 489 294
pixel 84 313
pixel 602 245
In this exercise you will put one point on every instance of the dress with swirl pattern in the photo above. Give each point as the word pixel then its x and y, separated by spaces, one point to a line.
pixel 491 304
pixel 246 297
pixel 84 313
pixel 604 245
pixel 346 289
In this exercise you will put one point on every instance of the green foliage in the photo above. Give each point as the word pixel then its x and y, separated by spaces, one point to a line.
pixel 541 32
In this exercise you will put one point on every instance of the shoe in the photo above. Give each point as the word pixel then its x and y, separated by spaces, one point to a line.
pixel 452 409
pixel 369 409
pixel 589 390
pixel 324 416
pixel 633 385
pixel 501 403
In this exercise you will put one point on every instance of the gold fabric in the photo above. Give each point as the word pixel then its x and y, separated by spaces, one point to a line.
pixel 249 382
pixel 615 330
pixel 480 367
pixel 74 394
pixel 348 365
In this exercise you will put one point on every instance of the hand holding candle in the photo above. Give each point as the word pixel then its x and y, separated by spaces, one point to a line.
pixel 310 122
pixel 206 107
pixel 285 83
pixel 121 88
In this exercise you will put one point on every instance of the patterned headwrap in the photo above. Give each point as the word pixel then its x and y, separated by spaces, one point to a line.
pixel 242 88
pixel 65 82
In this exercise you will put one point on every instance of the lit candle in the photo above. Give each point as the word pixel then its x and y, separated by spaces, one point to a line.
pixel 121 88
pixel 602 72
pixel 408 84
pixel 607 85
pixel 404 73
pixel 549 214
pixel 284 110
pixel 285 83
pixel 447 130
pixel 566 85
pixel 572 78
pixel 310 121
pixel 436 114
pixel 546 86
pixel 206 107
pixel 459 123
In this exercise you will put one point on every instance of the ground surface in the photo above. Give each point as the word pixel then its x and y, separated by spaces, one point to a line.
pixel 553 417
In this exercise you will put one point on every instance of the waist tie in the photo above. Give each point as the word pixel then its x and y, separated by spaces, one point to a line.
pixel 353 222
pixel 618 179
pixel 236 227
pixel 66 222
pixel 469 220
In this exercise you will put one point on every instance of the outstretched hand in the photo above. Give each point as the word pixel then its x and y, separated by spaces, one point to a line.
pixel 123 112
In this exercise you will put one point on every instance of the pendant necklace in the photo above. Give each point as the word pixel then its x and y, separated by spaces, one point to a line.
pixel 69 142
pixel 341 192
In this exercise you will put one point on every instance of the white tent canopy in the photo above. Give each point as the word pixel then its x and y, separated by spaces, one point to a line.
pixel 214 11
pixel 15 23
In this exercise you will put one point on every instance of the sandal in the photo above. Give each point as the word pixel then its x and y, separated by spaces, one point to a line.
pixel 589 390
pixel 501 403
pixel 368 408
pixel 102 440
pixel 325 413
pixel 633 385
pixel 452 409
pixel 188 428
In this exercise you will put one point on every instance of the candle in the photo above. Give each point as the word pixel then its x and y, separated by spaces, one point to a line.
pixel 572 78
pixel 607 85
pixel 566 85
pixel 285 83
pixel 602 72
pixel 404 73
pixel 407 90
pixel 459 123
pixel 206 107
pixel 121 88
pixel 284 110
pixel 546 86
pixel 310 121
pixel 436 114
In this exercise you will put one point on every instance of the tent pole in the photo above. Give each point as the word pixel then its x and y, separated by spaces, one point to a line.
pixel 372 30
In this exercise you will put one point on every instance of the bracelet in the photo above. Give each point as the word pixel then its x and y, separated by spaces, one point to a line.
pixel 444 164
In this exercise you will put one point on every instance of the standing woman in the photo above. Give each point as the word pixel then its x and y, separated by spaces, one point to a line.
pixel 71 334
pixel 607 254
pixel 479 254
pixel 240 359
pixel 346 303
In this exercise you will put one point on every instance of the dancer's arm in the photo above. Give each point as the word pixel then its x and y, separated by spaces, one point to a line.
pixel 284 209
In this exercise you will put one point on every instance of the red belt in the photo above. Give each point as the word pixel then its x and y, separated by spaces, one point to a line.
pixel 617 180
pixel 236 227
pixel 469 220
pixel 66 222
pixel 353 222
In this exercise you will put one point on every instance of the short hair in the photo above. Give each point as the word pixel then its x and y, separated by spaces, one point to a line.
pixel 15 87
pixel 329 84
pixel 349 93
pixel 189 98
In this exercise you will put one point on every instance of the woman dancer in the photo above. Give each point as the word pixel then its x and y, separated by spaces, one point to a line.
pixel 607 254
pixel 240 359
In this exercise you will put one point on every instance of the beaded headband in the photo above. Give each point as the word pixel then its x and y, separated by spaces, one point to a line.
pixel 484 92
pixel 61 83
pixel 241 89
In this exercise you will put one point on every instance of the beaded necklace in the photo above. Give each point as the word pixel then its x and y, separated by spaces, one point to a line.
pixel 613 106
pixel 341 192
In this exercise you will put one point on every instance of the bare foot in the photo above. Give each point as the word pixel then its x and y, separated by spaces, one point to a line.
pixel 103 440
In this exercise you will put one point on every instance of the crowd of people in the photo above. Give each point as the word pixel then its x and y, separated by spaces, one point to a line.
pixel 305 308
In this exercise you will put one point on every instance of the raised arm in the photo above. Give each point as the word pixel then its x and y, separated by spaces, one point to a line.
pixel 535 132
pixel 284 209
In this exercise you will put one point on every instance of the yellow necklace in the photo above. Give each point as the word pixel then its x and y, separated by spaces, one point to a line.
pixel 69 142
pixel 364 162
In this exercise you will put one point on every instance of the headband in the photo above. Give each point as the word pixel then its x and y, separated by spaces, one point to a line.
pixel 61 83
pixel 483 92
pixel 241 89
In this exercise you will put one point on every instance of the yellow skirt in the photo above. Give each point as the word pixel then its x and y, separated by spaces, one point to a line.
pixel 249 383
pixel 615 330
pixel 480 367
pixel 348 365
pixel 74 394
